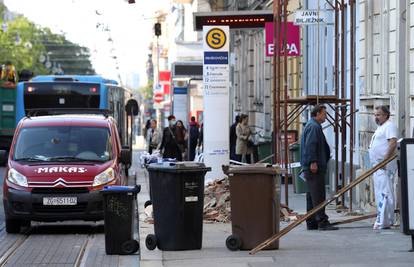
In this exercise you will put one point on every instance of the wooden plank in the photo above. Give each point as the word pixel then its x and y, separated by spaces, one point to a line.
pixel 291 226
pixel 356 219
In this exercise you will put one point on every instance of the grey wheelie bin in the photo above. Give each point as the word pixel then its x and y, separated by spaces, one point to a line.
pixel 255 205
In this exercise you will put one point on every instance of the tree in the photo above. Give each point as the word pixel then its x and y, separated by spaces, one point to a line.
pixel 147 91
pixel 36 48
pixel 72 58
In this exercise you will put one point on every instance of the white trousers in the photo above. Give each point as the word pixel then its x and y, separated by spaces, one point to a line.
pixel 384 198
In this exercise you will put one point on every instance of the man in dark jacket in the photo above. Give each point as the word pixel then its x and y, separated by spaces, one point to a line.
pixel 169 146
pixel 233 138
pixel 314 160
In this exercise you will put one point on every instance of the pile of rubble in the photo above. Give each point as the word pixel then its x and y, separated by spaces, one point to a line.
pixel 217 204
pixel 287 214
pixel 217 201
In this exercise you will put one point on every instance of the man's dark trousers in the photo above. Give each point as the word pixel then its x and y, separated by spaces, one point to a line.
pixel 314 196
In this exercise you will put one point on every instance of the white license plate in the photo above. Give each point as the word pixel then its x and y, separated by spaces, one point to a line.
pixel 60 201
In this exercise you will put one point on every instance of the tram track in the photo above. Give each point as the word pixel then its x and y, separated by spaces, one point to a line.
pixel 13 248
pixel 45 244
pixel 80 258
pixel 68 243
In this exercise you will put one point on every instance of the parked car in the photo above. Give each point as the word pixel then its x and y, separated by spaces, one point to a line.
pixel 56 167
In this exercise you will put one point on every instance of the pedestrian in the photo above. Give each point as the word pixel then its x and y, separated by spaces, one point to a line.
pixel 383 145
pixel 153 137
pixel 147 126
pixel 243 136
pixel 194 134
pixel 181 137
pixel 201 138
pixel 315 155
pixel 169 146
pixel 233 138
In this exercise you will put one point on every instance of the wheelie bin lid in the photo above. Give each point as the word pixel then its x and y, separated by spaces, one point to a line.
pixel 119 189
pixel 180 166
pixel 258 168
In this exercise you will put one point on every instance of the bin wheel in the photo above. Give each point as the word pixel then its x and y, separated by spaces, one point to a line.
pixel 233 242
pixel 151 242
pixel 130 246
pixel 147 203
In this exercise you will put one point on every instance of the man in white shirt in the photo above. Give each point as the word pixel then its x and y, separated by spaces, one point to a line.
pixel 383 145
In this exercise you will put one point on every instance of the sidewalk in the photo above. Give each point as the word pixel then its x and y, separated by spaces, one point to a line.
pixel 354 244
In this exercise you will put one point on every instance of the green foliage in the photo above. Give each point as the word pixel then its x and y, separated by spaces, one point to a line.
pixel 24 43
pixel 147 91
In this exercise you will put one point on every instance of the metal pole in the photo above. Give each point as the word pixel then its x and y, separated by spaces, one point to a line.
pixel 274 82
pixel 158 111
pixel 279 87
pixel 317 59
pixel 352 89
pixel 158 61
pixel 336 73
pixel 276 119
pixel 343 96
pixel 285 111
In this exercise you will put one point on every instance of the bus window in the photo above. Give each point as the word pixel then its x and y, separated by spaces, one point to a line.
pixel 61 95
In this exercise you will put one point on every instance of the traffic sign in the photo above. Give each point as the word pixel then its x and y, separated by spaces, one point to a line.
pixel 216 38
pixel 158 97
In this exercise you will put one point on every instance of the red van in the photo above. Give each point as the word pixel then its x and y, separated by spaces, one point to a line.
pixel 58 164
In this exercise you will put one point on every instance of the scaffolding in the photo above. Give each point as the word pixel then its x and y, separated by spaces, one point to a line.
pixel 287 109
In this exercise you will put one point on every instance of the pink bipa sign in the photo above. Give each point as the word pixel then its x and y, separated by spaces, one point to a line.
pixel 292 39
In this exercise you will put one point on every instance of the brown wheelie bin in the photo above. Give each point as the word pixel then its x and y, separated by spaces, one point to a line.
pixel 255 205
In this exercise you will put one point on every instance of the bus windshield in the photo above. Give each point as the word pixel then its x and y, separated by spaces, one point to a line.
pixel 51 95
pixel 63 143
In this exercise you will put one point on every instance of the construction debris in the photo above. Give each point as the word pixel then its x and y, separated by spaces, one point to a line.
pixel 287 214
pixel 148 211
pixel 217 205
pixel 217 201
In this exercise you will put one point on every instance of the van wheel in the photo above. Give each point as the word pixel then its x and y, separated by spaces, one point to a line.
pixel 12 226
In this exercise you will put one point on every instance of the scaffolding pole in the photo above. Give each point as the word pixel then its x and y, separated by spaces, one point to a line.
pixel 339 99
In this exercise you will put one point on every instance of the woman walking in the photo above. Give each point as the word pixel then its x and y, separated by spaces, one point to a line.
pixel 243 134
pixel 181 134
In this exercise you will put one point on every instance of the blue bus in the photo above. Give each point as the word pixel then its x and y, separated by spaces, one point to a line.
pixel 78 92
